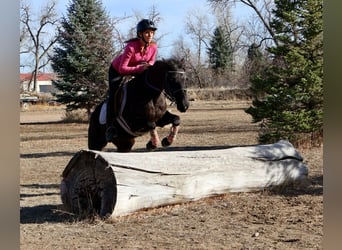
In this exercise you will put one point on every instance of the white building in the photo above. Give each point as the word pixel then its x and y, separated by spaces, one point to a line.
pixel 44 82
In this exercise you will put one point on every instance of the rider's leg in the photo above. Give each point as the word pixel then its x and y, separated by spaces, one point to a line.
pixel 114 82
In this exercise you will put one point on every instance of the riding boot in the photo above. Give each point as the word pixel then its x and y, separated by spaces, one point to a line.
pixel 111 131
pixel 114 82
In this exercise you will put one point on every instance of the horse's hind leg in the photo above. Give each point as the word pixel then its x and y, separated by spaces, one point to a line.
pixel 154 141
pixel 96 143
pixel 123 144
pixel 96 132
pixel 175 121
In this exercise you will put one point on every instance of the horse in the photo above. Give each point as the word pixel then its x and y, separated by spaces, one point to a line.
pixel 140 107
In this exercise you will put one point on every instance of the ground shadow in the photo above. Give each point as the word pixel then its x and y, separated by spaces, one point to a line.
pixel 43 214
pixel 41 123
pixel 39 186
pixel 49 154
pixel 191 148
pixel 52 122
pixel 314 187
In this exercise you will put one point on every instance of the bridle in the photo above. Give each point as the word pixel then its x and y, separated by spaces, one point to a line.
pixel 168 92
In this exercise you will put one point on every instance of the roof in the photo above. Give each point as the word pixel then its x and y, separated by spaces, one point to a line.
pixel 40 76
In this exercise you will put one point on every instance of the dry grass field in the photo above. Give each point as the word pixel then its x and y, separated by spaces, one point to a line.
pixel 285 218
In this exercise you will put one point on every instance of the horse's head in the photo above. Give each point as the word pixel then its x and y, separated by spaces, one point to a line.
pixel 174 84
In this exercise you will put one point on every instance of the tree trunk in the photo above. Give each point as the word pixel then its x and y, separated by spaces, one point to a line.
pixel 112 184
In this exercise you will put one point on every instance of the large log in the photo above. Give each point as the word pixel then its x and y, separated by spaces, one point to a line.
pixel 112 184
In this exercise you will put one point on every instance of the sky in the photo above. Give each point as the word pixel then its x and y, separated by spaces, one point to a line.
pixel 173 13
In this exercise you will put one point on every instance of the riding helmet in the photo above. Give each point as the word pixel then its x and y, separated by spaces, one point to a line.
pixel 145 24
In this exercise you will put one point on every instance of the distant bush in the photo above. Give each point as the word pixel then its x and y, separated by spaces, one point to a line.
pixel 75 116
pixel 212 94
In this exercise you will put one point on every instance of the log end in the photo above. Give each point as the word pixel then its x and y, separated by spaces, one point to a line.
pixel 88 185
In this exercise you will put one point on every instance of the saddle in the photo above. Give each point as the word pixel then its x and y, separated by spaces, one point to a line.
pixel 119 106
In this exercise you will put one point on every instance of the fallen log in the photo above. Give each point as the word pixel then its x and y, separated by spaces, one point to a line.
pixel 113 184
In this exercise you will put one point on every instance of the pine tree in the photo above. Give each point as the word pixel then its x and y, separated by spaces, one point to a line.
pixel 220 52
pixel 291 106
pixel 82 57
pixel 255 58
pixel 255 61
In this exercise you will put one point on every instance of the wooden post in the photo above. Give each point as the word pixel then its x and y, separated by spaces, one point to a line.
pixel 113 184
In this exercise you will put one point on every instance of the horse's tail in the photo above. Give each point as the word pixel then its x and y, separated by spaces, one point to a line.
pixel 96 131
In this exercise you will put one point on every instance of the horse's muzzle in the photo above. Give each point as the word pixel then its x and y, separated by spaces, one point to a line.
pixel 183 106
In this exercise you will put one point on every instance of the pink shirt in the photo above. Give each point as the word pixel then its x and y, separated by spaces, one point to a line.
pixel 131 60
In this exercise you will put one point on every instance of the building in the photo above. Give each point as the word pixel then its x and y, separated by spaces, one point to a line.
pixel 44 82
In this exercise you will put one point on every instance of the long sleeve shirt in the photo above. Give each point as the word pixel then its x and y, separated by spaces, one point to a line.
pixel 132 59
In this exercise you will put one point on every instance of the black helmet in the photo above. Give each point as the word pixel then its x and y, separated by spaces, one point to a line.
pixel 145 24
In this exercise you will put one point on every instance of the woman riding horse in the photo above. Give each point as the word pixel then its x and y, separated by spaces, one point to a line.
pixel 139 54
pixel 141 106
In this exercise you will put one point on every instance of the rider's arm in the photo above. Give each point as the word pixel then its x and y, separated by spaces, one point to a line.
pixel 128 58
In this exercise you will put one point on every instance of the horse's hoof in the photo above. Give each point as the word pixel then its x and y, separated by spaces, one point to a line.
pixel 165 142
pixel 150 146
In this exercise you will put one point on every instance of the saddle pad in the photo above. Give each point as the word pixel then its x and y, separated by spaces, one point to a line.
pixel 103 114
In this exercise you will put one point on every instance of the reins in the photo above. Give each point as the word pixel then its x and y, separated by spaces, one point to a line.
pixel 167 90
pixel 150 85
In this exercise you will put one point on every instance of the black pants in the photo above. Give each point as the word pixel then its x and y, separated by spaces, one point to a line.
pixel 114 82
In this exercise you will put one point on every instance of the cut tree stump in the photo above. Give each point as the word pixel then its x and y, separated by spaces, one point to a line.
pixel 113 184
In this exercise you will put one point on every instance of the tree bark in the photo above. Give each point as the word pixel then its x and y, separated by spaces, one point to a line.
pixel 114 184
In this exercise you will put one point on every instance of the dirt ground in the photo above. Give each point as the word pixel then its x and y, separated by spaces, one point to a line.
pixel 285 218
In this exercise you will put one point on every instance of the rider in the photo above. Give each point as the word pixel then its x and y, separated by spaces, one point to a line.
pixel 138 55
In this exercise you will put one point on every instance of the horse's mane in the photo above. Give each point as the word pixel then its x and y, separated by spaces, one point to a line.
pixel 171 63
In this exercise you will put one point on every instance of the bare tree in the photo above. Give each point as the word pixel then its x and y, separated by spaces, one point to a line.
pixel 33 33
pixel 152 14
pixel 233 31
pixel 120 38
pixel 262 9
pixel 181 51
pixel 199 29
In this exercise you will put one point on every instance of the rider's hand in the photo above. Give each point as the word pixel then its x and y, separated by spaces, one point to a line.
pixel 146 65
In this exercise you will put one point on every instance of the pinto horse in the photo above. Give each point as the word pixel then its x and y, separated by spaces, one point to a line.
pixel 140 107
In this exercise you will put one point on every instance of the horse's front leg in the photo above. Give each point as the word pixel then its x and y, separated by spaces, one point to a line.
pixel 168 140
pixel 154 141
pixel 175 121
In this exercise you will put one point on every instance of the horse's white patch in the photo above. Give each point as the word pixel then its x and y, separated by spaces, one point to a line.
pixel 103 114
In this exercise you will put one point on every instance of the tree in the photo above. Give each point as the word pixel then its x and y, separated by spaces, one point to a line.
pixel 220 52
pixel 33 34
pixel 292 104
pixel 83 55
pixel 255 62
pixel 262 10
pixel 152 14
pixel 198 28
